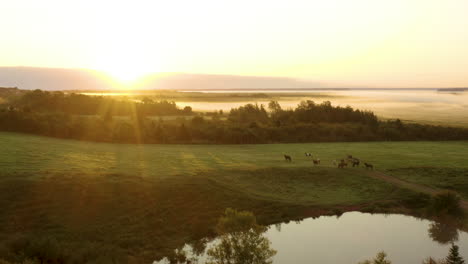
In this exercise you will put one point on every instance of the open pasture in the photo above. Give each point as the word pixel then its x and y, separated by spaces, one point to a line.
pixel 132 200
pixel 34 155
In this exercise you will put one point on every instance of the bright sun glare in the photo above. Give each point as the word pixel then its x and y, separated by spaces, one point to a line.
pixel 127 74
pixel 127 69
pixel 126 61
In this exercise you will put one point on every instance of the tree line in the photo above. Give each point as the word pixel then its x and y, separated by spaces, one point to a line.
pixel 80 104
pixel 98 118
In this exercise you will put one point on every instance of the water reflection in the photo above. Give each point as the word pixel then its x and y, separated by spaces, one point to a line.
pixel 241 240
pixel 351 238
pixel 443 232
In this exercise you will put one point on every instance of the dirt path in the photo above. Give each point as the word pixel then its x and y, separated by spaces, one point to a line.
pixel 409 185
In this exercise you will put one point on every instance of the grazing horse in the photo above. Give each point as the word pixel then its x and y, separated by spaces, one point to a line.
pixel 287 158
pixel 316 161
pixel 356 162
pixel 350 156
pixel 307 154
pixel 342 164
pixel 369 166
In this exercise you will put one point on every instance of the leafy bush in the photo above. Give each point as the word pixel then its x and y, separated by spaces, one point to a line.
pixel 446 203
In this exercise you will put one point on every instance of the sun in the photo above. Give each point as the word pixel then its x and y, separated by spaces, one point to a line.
pixel 128 73
pixel 127 68
pixel 127 65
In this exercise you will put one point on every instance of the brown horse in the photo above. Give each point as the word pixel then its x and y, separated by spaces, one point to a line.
pixel 316 161
pixel 287 158
pixel 342 164
pixel 356 162
pixel 369 166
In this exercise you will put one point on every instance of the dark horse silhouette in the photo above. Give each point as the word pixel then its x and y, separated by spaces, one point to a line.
pixel 369 166
pixel 342 164
pixel 287 158
pixel 356 162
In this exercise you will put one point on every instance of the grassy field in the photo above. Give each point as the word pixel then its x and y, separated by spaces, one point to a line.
pixel 143 219
pixel 136 203
pixel 450 178
pixel 37 155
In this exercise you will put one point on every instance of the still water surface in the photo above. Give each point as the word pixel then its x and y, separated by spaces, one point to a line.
pixel 356 236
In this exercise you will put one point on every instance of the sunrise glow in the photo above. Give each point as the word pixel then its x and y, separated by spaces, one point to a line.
pixel 127 72
pixel 365 42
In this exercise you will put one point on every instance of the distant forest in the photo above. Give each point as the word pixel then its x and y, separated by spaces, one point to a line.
pixel 107 119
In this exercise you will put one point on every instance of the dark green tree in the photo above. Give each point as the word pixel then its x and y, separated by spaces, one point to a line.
pixel 381 258
pixel 183 134
pixel 433 261
pixel 274 106
pixel 454 256
pixel 446 204
pixel 187 110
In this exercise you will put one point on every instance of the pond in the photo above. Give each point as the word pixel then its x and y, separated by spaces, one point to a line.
pixel 356 236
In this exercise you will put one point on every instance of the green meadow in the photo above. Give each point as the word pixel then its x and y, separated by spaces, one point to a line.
pixel 35 155
pixel 136 203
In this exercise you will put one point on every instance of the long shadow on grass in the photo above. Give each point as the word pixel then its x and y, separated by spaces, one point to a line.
pixel 143 218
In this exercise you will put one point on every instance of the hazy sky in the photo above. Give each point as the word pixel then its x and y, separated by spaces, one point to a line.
pixel 397 43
